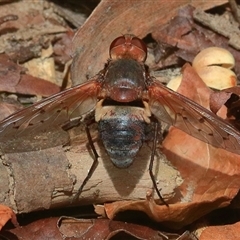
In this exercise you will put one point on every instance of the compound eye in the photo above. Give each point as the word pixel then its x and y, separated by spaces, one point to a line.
pixel 128 46
pixel 137 42
pixel 119 41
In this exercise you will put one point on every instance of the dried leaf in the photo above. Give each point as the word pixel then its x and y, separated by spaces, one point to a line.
pixel 175 216
pixel 213 66
pixel 13 79
pixel 7 214
pixel 217 100
pixel 10 74
pixel 227 98
pixel 62 48
pixel 73 229
pixel 220 24
pixel 38 230
pixel 229 232
pixel 36 86
pixel 104 229
pixel 210 175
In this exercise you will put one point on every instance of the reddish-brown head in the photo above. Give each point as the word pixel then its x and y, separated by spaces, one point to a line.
pixel 128 46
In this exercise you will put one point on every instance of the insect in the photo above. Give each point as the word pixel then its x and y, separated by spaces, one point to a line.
pixel 126 99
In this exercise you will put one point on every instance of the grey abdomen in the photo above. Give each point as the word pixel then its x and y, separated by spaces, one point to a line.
pixel 122 137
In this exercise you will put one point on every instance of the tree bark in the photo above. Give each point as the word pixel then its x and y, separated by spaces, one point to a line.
pixel 50 178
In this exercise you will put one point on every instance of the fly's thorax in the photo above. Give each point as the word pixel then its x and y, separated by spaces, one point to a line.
pixel 124 80
pixel 122 129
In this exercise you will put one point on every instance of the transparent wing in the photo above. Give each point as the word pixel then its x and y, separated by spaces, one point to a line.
pixel 179 111
pixel 40 125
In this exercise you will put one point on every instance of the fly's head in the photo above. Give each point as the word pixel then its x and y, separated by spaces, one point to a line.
pixel 125 74
pixel 128 46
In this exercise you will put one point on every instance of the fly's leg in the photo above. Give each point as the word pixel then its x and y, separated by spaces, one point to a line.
pixel 94 164
pixel 156 126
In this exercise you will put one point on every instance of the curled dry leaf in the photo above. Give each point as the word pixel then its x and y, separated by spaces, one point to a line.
pixel 174 83
pixel 111 229
pixel 213 65
pixel 214 56
pixel 175 216
pixel 7 214
pixel 104 229
pixel 227 103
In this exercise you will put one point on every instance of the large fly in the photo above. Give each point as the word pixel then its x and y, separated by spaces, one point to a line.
pixel 126 100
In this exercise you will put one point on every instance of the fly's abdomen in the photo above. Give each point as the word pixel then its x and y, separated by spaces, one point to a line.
pixel 122 130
